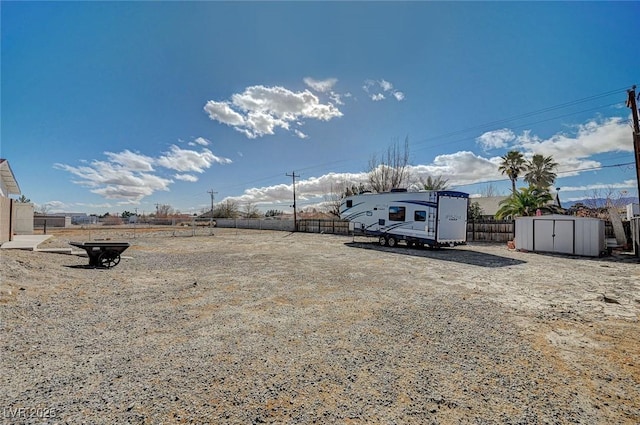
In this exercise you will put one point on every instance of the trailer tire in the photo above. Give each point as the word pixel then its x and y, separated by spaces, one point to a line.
pixel 109 259
pixel 391 241
pixel 382 241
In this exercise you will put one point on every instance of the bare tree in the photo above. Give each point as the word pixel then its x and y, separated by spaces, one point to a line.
pixel 164 210
pixel 226 209
pixel 390 170
pixel 251 211
pixel 339 191
pixel 43 209
pixel 332 201
pixel 489 191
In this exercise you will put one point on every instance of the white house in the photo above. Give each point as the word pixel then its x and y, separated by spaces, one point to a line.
pixel 8 186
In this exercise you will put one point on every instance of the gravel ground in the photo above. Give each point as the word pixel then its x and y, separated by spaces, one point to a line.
pixel 270 327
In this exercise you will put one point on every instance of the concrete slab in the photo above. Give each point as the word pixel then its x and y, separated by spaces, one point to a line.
pixel 29 242
pixel 68 251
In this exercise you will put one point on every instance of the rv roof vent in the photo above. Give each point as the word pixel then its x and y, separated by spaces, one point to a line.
pixel 398 189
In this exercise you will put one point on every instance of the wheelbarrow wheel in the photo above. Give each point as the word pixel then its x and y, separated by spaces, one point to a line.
pixel 109 259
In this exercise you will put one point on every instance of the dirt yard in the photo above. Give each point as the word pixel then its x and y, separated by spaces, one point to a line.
pixel 273 327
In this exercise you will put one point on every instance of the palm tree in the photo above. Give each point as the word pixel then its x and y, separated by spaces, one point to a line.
pixel 541 171
pixel 524 203
pixel 434 183
pixel 23 199
pixel 513 164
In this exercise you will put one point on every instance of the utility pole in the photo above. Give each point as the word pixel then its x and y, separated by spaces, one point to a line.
pixel 631 103
pixel 135 223
pixel 295 220
pixel 211 192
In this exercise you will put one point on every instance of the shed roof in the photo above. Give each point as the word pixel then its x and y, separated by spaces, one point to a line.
pixel 8 178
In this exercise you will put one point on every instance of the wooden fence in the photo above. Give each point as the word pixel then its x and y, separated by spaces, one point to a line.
pixel 336 227
pixel 490 230
pixel 498 231
pixel 485 230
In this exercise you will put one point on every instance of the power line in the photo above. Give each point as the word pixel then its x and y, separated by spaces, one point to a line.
pixel 527 124
pixel 528 114
pixel 501 122
pixel 575 170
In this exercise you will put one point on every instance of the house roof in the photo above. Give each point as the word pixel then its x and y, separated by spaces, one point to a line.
pixel 8 179
pixel 489 205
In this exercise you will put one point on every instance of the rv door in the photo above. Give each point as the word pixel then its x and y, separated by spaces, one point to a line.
pixel 452 219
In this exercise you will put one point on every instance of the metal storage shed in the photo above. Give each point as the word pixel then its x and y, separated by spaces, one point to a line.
pixel 561 234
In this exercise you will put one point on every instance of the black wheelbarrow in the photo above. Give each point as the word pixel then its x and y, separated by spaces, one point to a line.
pixel 102 253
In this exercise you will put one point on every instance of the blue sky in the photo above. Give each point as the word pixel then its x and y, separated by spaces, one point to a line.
pixel 112 106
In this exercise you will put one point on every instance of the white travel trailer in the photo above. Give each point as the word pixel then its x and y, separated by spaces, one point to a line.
pixel 432 218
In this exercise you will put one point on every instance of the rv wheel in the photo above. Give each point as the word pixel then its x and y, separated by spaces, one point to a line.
pixel 391 241
pixel 382 241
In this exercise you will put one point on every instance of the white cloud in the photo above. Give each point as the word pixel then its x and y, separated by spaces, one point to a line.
pixel 131 176
pixel 600 186
pixel 372 87
pixel 104 205
pixel 311 188
pixel 52 206
pixel 223 113
pixel 131 161
pixel 572 151
pixel 337 98
pixel 398 95
pixel 460 168
pixel 189 160
pixel 496 139
pixel 385 85
pixel 322 86
pixel 202 141
pixel 260 110
pixel 300 134
pixel 186 177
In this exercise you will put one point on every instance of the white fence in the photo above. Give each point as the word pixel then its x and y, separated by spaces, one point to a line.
pixel 259 224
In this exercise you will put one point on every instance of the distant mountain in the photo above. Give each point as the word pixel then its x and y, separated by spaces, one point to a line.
pixel 598 202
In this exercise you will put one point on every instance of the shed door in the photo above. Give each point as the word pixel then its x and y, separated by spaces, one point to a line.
pixel 553 236
pixel 543 235
pixel 563 241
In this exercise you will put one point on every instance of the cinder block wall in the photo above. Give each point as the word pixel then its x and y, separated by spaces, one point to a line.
pixel 22 218
pixel 5 219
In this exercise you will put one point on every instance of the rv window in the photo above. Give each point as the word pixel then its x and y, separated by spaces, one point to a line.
pixel 349 203
pixel 420 216
pixel 396 213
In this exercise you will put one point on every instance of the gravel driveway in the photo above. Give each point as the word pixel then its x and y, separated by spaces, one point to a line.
pixel 271 327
